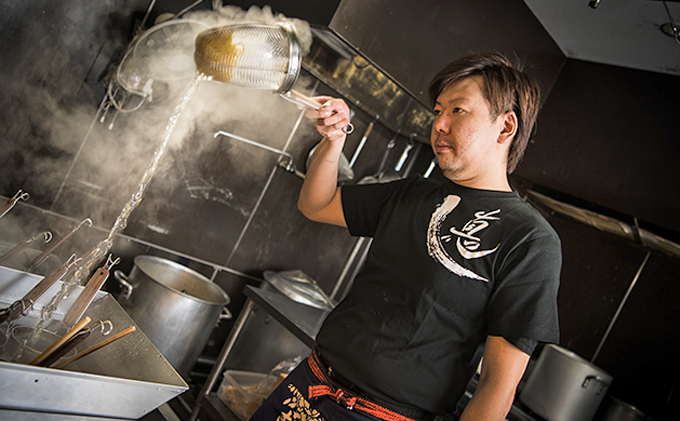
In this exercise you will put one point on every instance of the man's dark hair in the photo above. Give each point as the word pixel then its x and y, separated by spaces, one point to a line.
pixel 506 87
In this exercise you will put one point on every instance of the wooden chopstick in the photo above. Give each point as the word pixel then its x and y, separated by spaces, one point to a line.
pixel 95 347
pixel 62 340
pixel 86 296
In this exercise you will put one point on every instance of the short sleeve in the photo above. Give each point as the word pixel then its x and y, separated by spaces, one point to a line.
pixel 524 303
pixel 363 204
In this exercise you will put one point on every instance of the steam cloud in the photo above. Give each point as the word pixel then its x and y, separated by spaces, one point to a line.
pixel 74 164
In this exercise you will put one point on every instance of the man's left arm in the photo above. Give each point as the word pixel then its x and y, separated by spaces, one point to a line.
pixel 503 365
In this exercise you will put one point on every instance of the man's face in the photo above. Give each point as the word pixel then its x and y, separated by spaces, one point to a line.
pixel 464 136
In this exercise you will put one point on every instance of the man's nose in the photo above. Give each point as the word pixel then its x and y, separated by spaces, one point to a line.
pixel 441 123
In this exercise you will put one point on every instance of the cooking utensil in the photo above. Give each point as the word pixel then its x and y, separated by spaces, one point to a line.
pixel 404 154
pixel 254 56
pixel 9 203
pixel 68 335
pixel 67 346
pixel 299 287
pixel 16 250
pixel 45 254
pixel 87 295
pixel 430 168
pixel 164 51
pixel 23 306
pixel 176 307
pixel 24 344
pixel 19 307
pixel 250 55
pixel 376 178
pixel 90 386
pixel 617 410
pixel 362 142
pixel 562 386
pixel 299 99
pixel 74 341
pixel 95 347
pixel 391 174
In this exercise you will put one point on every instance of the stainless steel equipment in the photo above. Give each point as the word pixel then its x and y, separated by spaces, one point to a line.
pixel 254 56
pixel 617 410
pixel 9 203
pixel 176 307
pixel 564 387
pixel 298 286
pixel 250 55
pixel 127 379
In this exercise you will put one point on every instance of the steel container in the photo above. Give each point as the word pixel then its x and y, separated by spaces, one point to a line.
pixel 126 379
pixel 176 307
pixel 562 386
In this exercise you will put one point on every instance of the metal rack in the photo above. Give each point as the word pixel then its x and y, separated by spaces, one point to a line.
pixel 302 321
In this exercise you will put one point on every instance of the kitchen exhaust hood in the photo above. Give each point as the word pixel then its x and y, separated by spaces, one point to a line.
pixel 338 65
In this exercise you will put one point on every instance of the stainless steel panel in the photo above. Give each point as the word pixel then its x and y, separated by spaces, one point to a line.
pixel 126 379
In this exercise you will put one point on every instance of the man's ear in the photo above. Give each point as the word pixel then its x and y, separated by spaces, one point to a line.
pixel 509 128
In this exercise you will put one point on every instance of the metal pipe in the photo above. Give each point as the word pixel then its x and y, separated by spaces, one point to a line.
pixel 24 245
pixel 45 254
pixel 362 142
pixel 252 142
pixel 345 269
pixel 618 310
pixel 429 170
pixel 226 349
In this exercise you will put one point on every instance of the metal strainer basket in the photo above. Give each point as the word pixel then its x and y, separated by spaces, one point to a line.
pixel 164 51
pixel 250 55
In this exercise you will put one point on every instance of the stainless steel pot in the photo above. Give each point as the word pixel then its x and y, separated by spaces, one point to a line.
pixel 176 307
pixel 564 387
pixel 617 410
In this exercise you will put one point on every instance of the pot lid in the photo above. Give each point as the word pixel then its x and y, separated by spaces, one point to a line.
pixel 299 287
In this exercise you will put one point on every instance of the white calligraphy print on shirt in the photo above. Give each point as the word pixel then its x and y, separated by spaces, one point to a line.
pixel 467 243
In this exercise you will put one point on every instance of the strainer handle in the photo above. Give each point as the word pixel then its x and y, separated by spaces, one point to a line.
pixel 299 99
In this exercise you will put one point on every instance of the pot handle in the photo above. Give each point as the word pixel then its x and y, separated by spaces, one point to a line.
pixel 123 281
pixel 603 383
pixel 226 314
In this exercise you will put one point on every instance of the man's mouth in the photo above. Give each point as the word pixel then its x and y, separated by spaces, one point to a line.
pixel 440 147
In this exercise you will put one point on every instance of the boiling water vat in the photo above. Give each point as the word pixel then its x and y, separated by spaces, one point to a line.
pixel 98 252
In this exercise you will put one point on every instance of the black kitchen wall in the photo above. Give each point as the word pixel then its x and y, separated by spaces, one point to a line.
pixel 607 141
pixel 609 136
pixel 413 40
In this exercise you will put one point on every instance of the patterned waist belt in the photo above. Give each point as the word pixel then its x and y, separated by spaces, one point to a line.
pixel 345 397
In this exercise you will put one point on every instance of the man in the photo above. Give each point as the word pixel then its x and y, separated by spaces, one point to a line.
pixel 452 266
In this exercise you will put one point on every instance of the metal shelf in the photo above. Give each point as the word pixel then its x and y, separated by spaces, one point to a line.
pixel 301 320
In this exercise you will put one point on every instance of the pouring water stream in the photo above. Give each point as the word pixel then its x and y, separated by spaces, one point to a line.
pixel 86 262
pixel 222 54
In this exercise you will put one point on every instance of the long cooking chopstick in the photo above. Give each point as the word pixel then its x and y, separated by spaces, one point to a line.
pixel 69 345
pixel 87 294
pixel 95 347
pixel 62 340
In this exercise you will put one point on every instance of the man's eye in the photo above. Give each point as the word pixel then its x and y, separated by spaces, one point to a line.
pixel 436 112
pixel 458 110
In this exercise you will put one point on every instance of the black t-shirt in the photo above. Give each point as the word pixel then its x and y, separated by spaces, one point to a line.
pixel 448 266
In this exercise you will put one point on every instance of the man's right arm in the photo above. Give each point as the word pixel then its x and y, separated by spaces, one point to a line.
pixel 320 197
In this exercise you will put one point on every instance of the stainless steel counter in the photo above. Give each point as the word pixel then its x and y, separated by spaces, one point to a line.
pixel 127 379
pixel 300 319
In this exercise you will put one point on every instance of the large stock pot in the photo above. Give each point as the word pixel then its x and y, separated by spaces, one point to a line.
pixel 176 307
pixel 562 386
